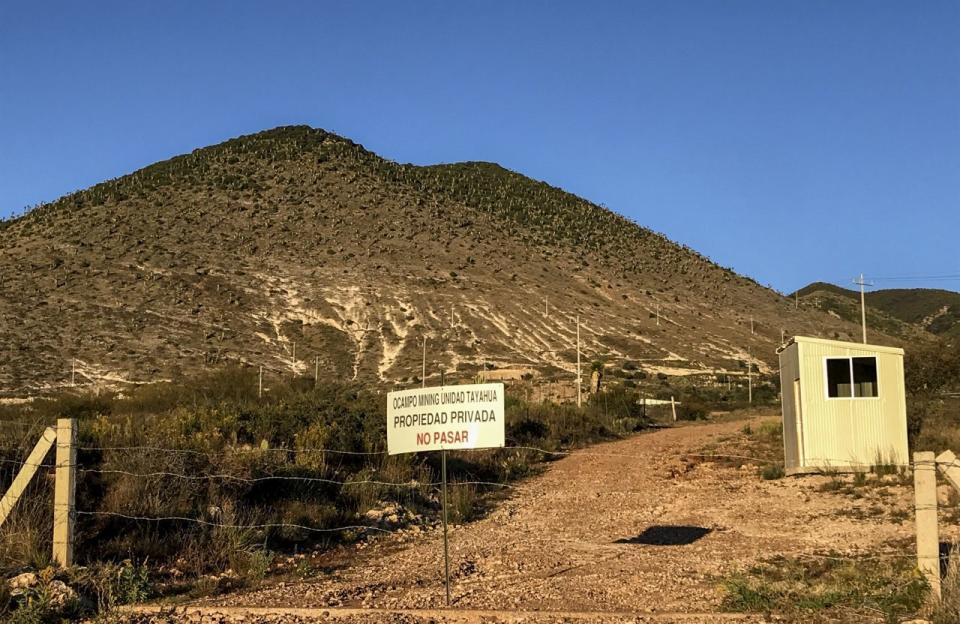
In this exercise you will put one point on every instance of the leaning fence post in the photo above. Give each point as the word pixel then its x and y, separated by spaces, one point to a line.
pixel 947 463
pixel 29 468
pixel 928 538
pixel 64 490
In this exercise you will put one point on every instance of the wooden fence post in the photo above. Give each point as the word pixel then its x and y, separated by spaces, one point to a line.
pixel 928 537
pixel 947 463
pixel 64 490
pixel 16 489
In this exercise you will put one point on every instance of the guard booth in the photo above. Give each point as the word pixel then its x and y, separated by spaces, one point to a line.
pixel 844 405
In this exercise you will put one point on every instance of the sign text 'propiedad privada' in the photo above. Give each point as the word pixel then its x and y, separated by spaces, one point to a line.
pixel 445 418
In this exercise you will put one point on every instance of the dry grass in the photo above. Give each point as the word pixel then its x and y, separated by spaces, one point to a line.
pixel 947 610
pixel 830 589
pixel 759 445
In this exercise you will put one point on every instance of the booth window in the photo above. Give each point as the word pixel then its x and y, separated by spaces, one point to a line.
pixel 852 377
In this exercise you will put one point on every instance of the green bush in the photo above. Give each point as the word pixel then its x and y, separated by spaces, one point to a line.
pixel 692 409
pixel 772 472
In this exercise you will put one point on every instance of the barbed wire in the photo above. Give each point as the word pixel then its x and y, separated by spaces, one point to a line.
pixel 229 477
pixel 268 525
pixel 311 450
pixel 19 462
pixel 798 554
pixel 832 463
pixel 253 450
pixel 581 452
pixel 241 479
pixel 26 425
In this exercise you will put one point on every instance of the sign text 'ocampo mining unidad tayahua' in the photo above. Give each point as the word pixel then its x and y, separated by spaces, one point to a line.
pixel 445 418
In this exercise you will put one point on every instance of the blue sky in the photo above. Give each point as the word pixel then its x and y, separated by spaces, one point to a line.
pixel 794 141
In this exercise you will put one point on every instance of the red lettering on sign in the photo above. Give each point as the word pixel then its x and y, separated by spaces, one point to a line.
pixel 451 437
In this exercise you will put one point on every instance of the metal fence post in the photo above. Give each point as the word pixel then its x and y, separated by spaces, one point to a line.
pixel 64 491
pixel 928 537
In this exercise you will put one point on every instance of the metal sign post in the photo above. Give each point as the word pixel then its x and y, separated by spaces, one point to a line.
pixel 446 541
pixel 445 418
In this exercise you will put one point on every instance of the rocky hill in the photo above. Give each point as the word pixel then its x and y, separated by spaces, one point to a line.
pixel 294 248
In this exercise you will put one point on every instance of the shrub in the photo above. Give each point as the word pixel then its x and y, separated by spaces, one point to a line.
pixel 692 409
pixel 462 502
pixel 772 472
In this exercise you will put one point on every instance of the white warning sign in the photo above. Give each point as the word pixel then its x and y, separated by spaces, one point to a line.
pixel 445 418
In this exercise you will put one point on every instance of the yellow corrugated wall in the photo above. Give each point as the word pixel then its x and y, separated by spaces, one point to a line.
pixel 852 432
pixel 789 371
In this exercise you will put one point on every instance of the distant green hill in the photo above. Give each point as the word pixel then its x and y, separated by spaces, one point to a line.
pixel 934 310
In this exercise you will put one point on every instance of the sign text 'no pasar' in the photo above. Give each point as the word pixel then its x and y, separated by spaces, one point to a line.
pixel 446 417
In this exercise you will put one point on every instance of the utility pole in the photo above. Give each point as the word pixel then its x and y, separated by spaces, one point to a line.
pixel 863 305
pixel 658 315
pixel 578 360
pixel 73 373
pixel 782 335
pixel 796 300
pixel 260 385
pixel 750 382
pixel 316 371
pixel 751 325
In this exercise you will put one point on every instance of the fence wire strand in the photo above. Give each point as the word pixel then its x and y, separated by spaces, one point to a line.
pixel 268 525
pixel 413 484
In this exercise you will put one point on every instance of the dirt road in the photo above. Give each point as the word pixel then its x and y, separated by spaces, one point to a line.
pixel 627 527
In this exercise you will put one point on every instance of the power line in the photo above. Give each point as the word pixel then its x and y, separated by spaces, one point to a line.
pixel 916 277
pixel 899 278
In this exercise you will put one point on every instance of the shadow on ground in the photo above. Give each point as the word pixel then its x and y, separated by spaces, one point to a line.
pixel 667 535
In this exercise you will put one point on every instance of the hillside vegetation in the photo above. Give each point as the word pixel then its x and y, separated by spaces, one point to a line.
pixel 892 310
pixel 295 249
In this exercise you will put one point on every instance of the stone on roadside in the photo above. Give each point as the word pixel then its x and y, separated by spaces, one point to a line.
pixel 60 594
pixel 22 582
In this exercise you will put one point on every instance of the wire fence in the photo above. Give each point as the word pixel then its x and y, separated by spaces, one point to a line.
pixel 100 459
pixel 344 483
